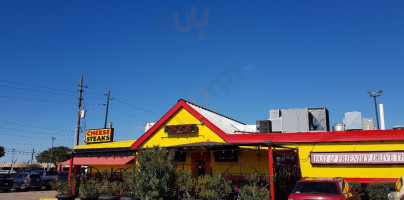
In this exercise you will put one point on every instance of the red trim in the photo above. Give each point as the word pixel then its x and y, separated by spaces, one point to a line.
pixel 371 180
pixel 310 137
pixel 181 104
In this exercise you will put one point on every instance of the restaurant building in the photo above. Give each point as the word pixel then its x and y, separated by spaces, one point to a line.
pixel 206 142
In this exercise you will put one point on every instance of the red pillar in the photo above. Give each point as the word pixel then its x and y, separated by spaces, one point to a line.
pixel 271 172
pixel 70 168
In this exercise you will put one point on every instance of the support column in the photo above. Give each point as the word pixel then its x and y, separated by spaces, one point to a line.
pixel 271 172
pixel 70 171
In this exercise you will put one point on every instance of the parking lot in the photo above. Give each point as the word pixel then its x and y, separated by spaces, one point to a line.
pixel 28 195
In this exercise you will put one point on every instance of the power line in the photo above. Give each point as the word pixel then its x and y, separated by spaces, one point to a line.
pixel 39 100
pixel 138 108
pixel 27 131
pixel 128 114
pixel 32 137
pixel 31 90
pixel 52 129
pixel 24 84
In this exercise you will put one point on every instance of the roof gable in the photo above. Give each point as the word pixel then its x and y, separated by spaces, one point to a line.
pixel 193 110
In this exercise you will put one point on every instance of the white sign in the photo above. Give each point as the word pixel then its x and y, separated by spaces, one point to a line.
pixel 361 158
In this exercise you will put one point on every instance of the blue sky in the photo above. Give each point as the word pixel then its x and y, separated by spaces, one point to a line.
pixel 238 58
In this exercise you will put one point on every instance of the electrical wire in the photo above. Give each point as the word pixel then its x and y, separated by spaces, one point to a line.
pixel 52 129
pixel 137 107
pixel 39 100
pixel 27 131
pixel 40 91
pixel 128 114
pixel 32 137
pixel 12 82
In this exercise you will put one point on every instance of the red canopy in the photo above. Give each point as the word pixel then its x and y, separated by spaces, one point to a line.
pixel 101 160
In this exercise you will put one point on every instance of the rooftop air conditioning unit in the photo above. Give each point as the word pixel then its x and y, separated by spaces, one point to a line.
pixel 264 126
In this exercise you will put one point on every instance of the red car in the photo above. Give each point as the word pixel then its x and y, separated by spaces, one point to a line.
pixel 322 188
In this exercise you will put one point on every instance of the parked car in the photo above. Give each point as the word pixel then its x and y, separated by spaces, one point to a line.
pixel 6 182
pixel 63 175
pixel 48 177
pixel 322 188
pixel 25 181
pixel 399 194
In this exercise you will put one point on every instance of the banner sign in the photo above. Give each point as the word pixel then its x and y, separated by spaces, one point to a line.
pixel 357 158
pixel 187 128
pixel 99 135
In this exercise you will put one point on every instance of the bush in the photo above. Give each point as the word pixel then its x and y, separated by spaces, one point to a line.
pixel 154 174
pixel 107 187
pixel 61 186
pixel 379 191
pixel 128 185
pixel 255 189
pixel 215 187
pixel 185 184
pixel 88 187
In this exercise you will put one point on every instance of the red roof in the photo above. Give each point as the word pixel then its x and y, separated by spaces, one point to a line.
pixel 101 160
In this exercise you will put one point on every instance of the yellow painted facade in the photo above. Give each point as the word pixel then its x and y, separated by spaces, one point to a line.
pixel 352 171
pixel 182 116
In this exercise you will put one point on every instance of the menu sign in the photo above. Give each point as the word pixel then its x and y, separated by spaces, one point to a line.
pixel 357 158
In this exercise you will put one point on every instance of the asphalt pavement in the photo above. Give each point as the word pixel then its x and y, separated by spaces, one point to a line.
pixel 28 195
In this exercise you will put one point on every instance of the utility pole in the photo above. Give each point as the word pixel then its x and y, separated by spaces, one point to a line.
pixel 32 155
pixel 76 138
pixel 53 139
pixel 106 113
pixel 12 158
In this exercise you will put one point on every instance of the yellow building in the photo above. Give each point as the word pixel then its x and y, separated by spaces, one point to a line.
pixel 206 142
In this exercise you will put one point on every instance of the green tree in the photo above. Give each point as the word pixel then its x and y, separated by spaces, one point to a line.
pixel 154 174
pixel 1 151
pixel 60 154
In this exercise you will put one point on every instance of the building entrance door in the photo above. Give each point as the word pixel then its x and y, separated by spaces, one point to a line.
pixel 200 163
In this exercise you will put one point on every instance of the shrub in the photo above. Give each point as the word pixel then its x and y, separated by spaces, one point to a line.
pixel 184 184
pixel 379 191
pixel 107 187
pixel 255 189
pixel 88 187
pixel 128 186
pixel 154 174
pixel 62 186
pixel 215 187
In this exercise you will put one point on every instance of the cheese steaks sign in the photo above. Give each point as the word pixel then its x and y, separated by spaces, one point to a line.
pixel 99 135
pixel 357 158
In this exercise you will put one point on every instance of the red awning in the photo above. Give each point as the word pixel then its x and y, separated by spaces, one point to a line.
pixel 101 160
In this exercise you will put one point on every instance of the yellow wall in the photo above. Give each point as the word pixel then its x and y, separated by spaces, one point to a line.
pixel 182 116
pixel 253 157
pixel 351 171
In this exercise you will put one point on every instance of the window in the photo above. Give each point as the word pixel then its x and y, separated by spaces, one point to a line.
pixel 180 156
pixel 226 155
pixel 328 188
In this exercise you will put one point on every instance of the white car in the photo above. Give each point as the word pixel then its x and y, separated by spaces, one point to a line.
pixel 399 194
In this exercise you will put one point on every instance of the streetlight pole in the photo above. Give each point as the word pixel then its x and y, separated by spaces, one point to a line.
pixel 374 95
pixel 53 139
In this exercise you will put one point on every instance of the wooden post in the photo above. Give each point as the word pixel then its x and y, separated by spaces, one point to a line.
pixel 271 172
